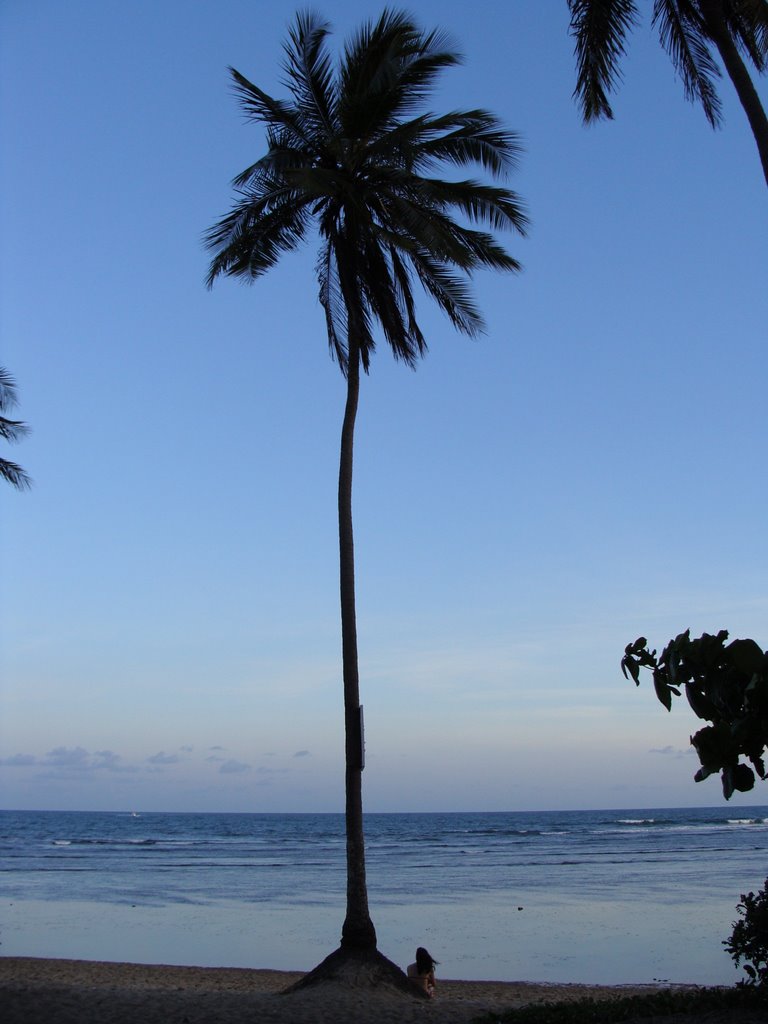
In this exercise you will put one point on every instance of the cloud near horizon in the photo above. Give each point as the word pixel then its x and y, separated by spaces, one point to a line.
pixel 67 761
pixel 233 767
pixel 72 759
pixel 16 760
pixel 162 758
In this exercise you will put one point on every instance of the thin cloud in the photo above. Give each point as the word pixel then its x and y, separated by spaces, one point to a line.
pixel 163 758
pixel 111 762
pixel 301 753
pixel 233 767
pixel 66 757
pixel 19 760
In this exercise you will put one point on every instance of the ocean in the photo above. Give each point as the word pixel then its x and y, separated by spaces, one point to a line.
pixel 608 897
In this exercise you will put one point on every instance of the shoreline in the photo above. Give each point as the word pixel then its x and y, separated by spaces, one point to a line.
pixel 93 992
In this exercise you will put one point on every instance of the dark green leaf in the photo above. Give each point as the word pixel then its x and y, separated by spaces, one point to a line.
pixel 727 780
pixel 701 705
pixel 663 691
pixel 743 778
pixel 629 664
pixel 746 656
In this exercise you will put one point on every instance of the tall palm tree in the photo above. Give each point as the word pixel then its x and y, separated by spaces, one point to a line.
pixel 688 30
pixel 11 430
pixel 349 154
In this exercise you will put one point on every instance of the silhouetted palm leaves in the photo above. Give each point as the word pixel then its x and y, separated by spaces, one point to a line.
pixel 689 30
pixel 11 430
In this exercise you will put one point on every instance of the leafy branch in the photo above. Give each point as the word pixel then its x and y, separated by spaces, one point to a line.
pixel 727 686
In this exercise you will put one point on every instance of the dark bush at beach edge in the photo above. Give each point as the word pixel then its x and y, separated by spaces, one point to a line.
pixel 741 1005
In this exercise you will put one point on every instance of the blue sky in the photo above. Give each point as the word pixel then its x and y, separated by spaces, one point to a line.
pixel 591 470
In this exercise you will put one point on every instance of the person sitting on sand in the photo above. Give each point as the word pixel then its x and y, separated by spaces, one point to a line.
pixel 423 971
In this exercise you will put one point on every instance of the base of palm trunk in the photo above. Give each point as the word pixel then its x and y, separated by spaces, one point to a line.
pixel 360 968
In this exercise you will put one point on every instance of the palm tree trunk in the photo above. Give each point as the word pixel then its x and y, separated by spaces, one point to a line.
pixel 712 11
pixel 358 931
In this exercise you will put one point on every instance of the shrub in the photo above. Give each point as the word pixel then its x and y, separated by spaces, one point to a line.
pixel 749 939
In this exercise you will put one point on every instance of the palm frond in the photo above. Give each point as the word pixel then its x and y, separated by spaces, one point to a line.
pixel 497 207
pixel 12 430
pixel 261 107
pixel 461 138
pixel 682 37
pixel 472 137
pixel 15 475
pixel 332 301
pixel 599 28
pixel 282 155
pixel 450 291
pixel 251 205
pixel 359 321
pixel 747 23
pixel 399 146
pixel 417 225
pixel 482 250
pixel 423 58
pixel 379 290
pixel 250 240
pixel 387 71
pixel 387 288
pixel 425 227
pixel 342 284
pixel 309 73
pixel 8 399
pixel 402 279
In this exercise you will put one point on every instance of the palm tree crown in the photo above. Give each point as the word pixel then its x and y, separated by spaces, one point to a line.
pixel 347 154
pixel 688 31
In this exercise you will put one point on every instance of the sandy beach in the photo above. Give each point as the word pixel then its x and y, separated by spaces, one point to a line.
pixel 87 992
